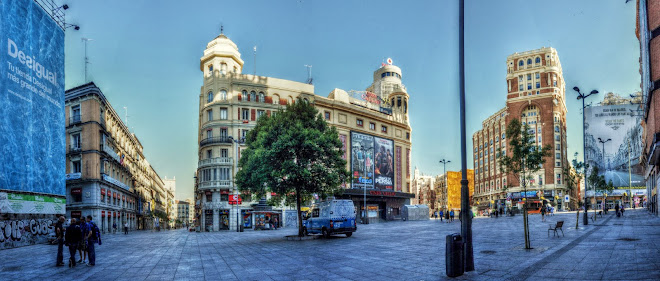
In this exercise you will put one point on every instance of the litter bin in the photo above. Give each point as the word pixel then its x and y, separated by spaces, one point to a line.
pixel 241 228
pixel 454 255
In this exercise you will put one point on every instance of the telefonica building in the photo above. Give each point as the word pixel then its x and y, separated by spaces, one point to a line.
pixel 373 126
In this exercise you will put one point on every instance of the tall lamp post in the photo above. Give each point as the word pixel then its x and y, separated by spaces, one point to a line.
pixel 444 167
pixel 237 142
pixel 604 169
pixel 585 218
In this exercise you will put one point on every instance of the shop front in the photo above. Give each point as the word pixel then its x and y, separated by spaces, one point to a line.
pixel 224 219
pixel 266 219
pixel 380 205
pixel 208 220
pixel 247 218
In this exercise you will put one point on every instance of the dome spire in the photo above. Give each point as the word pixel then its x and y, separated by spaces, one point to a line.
pixel 222 29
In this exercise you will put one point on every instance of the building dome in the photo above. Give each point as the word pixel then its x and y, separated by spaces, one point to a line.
pixel 221 46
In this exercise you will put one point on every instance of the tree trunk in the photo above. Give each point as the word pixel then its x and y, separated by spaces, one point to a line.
pixel 577 220
pixel 298 203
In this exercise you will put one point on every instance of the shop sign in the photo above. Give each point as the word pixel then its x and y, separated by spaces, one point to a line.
pixel 76 191
pixel 233 199
pixel 382 193
pixel 76 214
pixel 103 214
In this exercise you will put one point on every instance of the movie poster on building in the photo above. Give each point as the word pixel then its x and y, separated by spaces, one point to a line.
pixel 343 146
pixel 384 163
pixel 397 154
pixel 362 160
pixel 618 158
pixel 31 100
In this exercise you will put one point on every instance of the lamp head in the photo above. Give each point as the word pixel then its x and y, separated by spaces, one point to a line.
pixel 65 6
pixel 576 89
pixel 594 92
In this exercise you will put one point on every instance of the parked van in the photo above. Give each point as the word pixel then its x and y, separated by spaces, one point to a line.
pixel 334 216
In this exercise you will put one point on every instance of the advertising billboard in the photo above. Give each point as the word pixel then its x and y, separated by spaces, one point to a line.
pixel 384 163
pixel 31 99
pixel 362 160
pixel 618 158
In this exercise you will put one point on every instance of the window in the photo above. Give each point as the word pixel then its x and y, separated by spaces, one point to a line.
pixel 529 86
pixel 327 115
pixel 223 113
pixel 223 68
pixel 75 113
pixel 244 95
pixel 540 180
pixel 538 85
pixel 209 115
pixel 210 69
pixel 538 60
pixel 223 95
pixel 382 75
pixel 398 102
pixel 209 97
pixel 253 96
pixel 262 97
pixel 224 197
pixel 359 122
pixel 209 197
pixel 76 166
pixel 209 154
pixel 521 63
pixel 388 73
pixel 75 141
pixel 244 133
pixel 557 164
pixel 260 113
pixel 529 61
pixel 372 126
pixel 223 132
pixel 245 114
pixel 407 135
pixel 521 87
pixel 558 178
pixel 557 155
pixel 224 152
pixel 383 129
pixel 209 133
pixel 529 77
pixel 557 137
pixel 538 76
pixel 557 147
pixel 276 99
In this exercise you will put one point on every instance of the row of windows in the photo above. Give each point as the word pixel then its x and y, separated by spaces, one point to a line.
pixel 214 174
pixel 372 125
pixel 245 96
pixel 386 74
pixel 223 153
pixel 521 62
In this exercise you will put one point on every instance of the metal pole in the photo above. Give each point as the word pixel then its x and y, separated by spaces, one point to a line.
pixel 466 223
pixel 585 219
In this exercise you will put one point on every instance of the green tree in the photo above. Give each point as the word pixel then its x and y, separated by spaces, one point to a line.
pixel 294 154
pixel 572 178
pixel 523 159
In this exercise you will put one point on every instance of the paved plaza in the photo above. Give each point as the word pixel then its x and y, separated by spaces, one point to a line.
pixel 613 248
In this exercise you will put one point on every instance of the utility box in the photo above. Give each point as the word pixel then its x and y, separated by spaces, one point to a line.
pixel 454 255
pixel 414 212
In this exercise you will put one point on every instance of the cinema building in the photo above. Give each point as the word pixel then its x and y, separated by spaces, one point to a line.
pixel 373 125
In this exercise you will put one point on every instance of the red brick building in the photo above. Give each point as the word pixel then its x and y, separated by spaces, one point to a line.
pixel 648 33
pixel 536 97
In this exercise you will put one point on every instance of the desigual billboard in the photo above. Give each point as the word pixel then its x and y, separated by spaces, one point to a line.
pixel 32 142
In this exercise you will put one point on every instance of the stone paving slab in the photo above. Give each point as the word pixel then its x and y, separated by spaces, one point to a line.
pixel 626 248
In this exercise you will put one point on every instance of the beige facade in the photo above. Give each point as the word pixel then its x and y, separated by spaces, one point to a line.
pixel 536 97
pixel 230 103
pixel 107 174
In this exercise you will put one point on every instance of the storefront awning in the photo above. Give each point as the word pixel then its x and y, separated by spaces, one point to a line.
pixel 378 193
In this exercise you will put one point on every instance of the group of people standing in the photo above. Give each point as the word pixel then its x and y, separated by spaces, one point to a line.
pixel 448 216
pixel 80 235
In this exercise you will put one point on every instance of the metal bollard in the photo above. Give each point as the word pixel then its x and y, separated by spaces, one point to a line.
pixel 454 255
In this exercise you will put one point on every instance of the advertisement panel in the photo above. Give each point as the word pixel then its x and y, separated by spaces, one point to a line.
pixel 384 163
pixel 30 204
pixel 617 159
pixel 399 176
pixel 362 160
pixel 31 99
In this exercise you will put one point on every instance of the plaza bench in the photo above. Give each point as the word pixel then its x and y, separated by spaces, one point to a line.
pixel 558 226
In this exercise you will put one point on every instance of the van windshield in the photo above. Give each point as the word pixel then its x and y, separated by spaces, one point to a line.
pixel 344 208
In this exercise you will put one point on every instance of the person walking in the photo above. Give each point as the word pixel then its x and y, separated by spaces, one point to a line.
pixel 91 234
pixel 451 215
pixel 73 237
pixel 275 223
pixel 114 227
pixel 622 210
pixel 59 238
pixel 441 214
pixel 82 245
pixel 616 208
pixel 125 228
pixel 543 213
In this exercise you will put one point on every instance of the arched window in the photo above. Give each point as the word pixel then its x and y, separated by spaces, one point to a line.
pixel 253 96
pixel 261 97
pixel 538 60
pixel 276 99
pixel 521 63
pixel 405 105
pixel 244 95
pixel 223 94
pixel 529 61
pixel 209 96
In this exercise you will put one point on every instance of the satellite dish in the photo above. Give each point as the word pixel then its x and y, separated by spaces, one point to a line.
pixel 389 61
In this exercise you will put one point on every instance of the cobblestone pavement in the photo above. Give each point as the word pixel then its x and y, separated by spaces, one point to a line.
pixel 613 248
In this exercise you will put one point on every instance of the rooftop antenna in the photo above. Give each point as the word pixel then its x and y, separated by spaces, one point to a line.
pixel 309 74
pixel 255 61
pixel 86 58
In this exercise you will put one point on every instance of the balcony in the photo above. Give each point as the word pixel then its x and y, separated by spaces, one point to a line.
pixel 75 148
pixel 216 205
pixel 73 176
pixel 215 184
pixel 215 140
pixel 108 150
pixel 75 119
pixel 215 161
pixel 115 182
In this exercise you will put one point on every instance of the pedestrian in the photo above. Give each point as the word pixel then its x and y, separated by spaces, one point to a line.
pixel 451 215
pixel 59 238
pixel 441 215
pixel 435 214
pixel 73 237
pixel 93 236
pixel 114 227
pixel 275 223
pixel 622 210
pixel 616 208
pixel 82 245
pixel 543 213
pixel 125 228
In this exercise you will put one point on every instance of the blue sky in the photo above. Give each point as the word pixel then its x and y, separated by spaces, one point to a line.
pixel 145 56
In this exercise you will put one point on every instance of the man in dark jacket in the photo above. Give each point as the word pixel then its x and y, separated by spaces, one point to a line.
pixel 59 232
pixel 73 237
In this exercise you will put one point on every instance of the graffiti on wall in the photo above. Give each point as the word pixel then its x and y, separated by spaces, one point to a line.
pixel 16 233
pixel 290 218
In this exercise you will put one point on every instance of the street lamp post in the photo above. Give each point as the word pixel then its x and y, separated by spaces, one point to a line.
pixel 444 167
pixel 237 142
pixel 604 170
pixel 582 97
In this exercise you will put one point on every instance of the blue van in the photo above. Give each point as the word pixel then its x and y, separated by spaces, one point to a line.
pixel 334 216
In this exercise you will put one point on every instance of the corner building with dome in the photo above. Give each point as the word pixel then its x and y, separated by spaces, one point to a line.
pixel 373 126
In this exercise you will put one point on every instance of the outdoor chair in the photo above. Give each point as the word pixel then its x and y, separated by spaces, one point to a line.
pixel 556 227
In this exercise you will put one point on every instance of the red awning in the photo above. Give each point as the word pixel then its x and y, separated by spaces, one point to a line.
pixel 102 191
pixel 103 214
pixel 76 190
